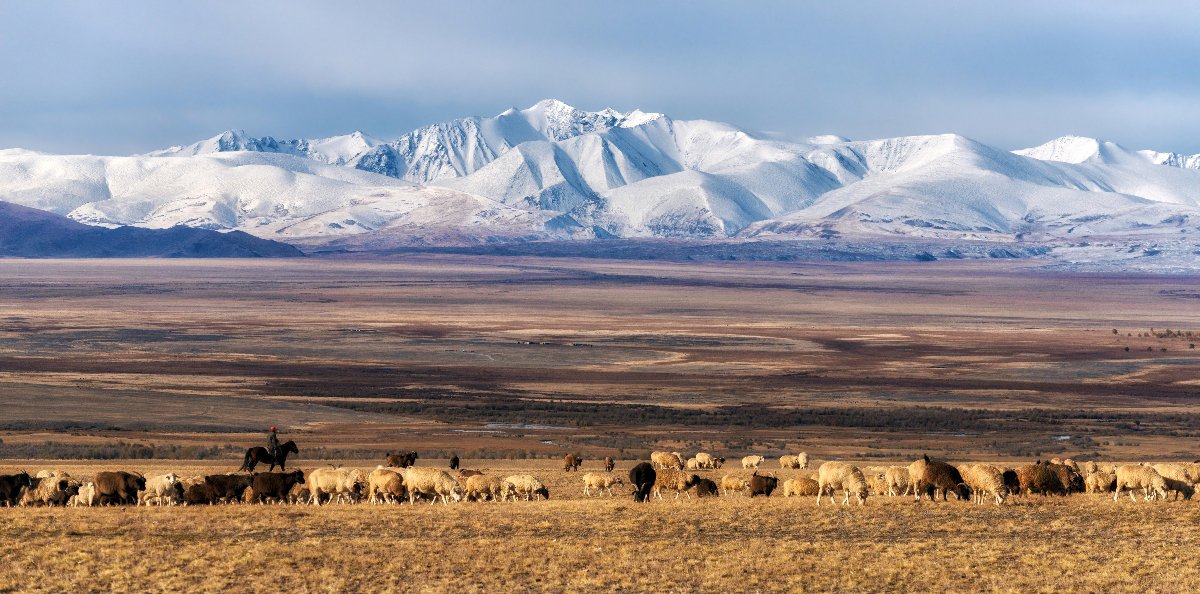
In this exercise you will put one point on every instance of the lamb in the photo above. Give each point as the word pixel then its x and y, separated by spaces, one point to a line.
pixel 984 480
pixel 832 476
pixel 1136 476
pixel 85 496
pixel 800 487
pixel 674 480
pixel 481 487
pixel 732 483
pixel 799 461
pixel 706 488
pixel 930 476
pixel 667 460
pixel 896 480
pixel 527 486
pixel 752 461
pixel 693 464
pixel 385 486
pixel 1100 481
pixel 433 483
pixel 708 461
pixel 600 483
pixel 1179 488
pixel 160 490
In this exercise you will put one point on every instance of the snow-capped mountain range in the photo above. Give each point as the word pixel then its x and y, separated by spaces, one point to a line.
pixel 552 171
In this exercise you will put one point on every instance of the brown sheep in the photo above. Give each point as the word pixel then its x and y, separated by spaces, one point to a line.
pixel 931 476
pixel 1042 478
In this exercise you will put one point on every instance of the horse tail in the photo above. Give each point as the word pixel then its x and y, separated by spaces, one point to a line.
pixel 246 462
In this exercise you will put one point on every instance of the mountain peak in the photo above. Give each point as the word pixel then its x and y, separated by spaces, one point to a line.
pixel 1065 149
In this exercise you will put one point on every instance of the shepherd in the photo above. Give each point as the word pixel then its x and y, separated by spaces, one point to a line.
pixel 276 455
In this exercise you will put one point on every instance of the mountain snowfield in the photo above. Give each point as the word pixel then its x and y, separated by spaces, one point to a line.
pixel 555 172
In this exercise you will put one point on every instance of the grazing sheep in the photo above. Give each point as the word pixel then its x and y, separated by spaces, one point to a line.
pixel 707 460
pixel 731 483
pixel 1177 488
pixel 799 461
pixel 273 486
pixel 984 480
pixel 433 483
pixel 931 476
pixel 692 464
pixel 799 487
pixel 752 462
pixel 832 476
pixel 1136 476
pixel 1100 481
pixel 118 487
pixel 482 487
pixel 1187 472
pixel 1070 478
pixel 160 490
pixel 385 486
pixel 642 477
pixel 667 460
pixel 675 480
pixel 609 464
pixel 527 486
pixel 600 483
pixel 1040 477
pixel 340 483
pixel 896 479
pixel 571 462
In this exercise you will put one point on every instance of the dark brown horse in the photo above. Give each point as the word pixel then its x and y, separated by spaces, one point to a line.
pixel 260 454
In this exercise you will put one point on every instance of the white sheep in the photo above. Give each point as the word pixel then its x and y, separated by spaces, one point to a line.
pixel 897 481
pixel 159 490
pixel 732 483
pixel 600 483
pixel 752 461
pixel 832 476
pixel 50 487
pixel 984 480
pixel 707 460
pixel 1137 476
pixel 667 460
pixel 799 461
pixel 482 487
pixel 385 485
pixel 86 495
pixel 693 464
pixel 337 483
pixel 431 482
pixel 526 486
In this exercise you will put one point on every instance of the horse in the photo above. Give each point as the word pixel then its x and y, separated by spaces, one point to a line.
pixel 260 454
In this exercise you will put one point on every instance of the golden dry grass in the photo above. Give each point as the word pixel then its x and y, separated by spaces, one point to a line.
pixel 1082 543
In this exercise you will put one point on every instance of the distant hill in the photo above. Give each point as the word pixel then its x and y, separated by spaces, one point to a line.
pixel 31 233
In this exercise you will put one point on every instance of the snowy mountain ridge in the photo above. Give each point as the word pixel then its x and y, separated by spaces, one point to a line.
pixel 552 171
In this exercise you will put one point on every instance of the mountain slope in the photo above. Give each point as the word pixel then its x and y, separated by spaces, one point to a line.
pixel 31 233
pixel 552 171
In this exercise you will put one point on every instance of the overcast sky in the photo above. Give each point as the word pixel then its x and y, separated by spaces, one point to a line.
pixel 129 76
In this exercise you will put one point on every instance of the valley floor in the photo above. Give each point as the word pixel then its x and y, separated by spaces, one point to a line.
pixel 1082 543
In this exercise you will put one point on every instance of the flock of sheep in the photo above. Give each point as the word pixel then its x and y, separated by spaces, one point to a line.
pixel 931 478
pixel 668 472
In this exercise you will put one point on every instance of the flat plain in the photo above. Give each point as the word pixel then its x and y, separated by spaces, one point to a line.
pixel 512 362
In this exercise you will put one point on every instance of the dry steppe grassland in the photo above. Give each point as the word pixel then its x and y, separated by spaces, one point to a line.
pixel 512 362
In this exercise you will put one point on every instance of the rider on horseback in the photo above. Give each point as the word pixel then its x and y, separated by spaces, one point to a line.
pixel 273 443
